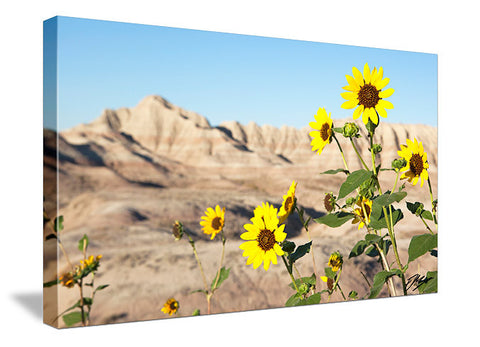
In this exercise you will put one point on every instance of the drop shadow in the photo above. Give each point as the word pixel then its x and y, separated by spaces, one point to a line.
pixel 32 302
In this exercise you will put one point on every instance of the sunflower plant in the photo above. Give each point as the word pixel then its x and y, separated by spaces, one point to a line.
pixel 361 198
pixel 212 223
pixel 81 276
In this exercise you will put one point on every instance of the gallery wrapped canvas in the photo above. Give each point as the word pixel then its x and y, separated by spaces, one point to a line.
pixel 190 173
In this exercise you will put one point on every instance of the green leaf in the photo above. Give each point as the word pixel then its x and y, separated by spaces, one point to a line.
pixel 222 276
pixel 329 273
pixel 196 312
pixel 377 217
pixel 389 198
pixel 101 287
pixel 421 244
pixel 353 181
pixel 380 279
pixel 58 224
pixel 51 283
pixel 427 215
pixel 372 251
pixel 336 219
pixel 358 248
pixel 299 252
pixel 293 300
pixel 333 172
pixel 313 299
pixel 310 281
pixel 83 241
pixel 429 284
pixel 73 318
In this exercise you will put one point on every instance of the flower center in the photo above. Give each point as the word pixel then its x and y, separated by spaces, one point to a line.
pixel 173 306
pixel 217 223
pixel 368 96
pixel 416 164
pixel 325 132
pixel 288 203
pixel 266 240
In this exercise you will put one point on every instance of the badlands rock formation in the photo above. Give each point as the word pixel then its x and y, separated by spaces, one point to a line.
pixel 125 177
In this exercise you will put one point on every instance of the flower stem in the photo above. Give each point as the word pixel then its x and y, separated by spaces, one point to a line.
pixel 431 199
pixel 309 239
pixel 358 154
pixel 221 259
pixel 290 273
pixel 341 152
pixel 192 243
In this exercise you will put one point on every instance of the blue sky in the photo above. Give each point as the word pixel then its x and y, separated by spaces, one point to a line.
pixel 222 76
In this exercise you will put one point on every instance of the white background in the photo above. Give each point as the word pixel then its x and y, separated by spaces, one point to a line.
pixel 425 26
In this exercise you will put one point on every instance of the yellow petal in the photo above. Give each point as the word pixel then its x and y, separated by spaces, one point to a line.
pixel 350 104
pixel 386 93
pixel 374 116
pixel 385 104
pixel 349 96
pixel 352 84
pixel 366 73
pixel 278 250
pixel 358 111
pixel 358 76
pixel 382 83
pixel 381 111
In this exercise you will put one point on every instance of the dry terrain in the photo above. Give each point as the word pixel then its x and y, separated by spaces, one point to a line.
pixel 127 176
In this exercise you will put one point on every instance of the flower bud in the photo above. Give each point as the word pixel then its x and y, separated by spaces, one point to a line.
pixel 350 201
pixel 329 202
pixel 177 230
pixel 376 148
pixel 398 164
pixel 350 130
pixel 288 246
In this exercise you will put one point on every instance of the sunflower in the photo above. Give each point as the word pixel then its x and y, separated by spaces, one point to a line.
pixel 335 261
pixel 67 279
pixel 90 262
pixel 417 164
pixel 171 306
pixel 288 203
pixel 262 237
pixel 213 221
pixel 364 92
pixel 322 135
pixel 363 212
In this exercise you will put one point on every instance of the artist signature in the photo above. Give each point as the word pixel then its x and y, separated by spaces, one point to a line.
pixel 416 280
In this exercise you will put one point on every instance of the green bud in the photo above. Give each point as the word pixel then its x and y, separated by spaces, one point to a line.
pixel 177 230
pixel 329 202
pixel 376 148
pixel 303 288
pixel 398 164
pixel 350 201
pixel 350 130
pixel 371 126
pixel 419 210
pixel 196 312
pixel 288 246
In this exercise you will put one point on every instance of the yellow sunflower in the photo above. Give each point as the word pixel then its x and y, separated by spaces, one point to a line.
pixel 213 221
pixel 365 93
pixel 417 164
pixel 363 212
pixel 67 279
pixel 335 261
pixel 171 306
pixel 262 237
pixel 288 202
pixel 322 135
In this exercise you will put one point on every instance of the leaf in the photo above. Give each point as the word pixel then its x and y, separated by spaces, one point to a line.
pixel 358 249
pixel 377 218
pixel 333 172
pixel 380 279
pixel 196 312
pixel 313 299
pixel 389 198
pixel 429 284
pixel 101 287
pixel 58 224
pixel 83 241
pixel 51 283
pixel 222 276
pixel 329 273
pixel 353 181
pixel 421 244
pixel 336 219
pixel 299 252
pixel 293 300
pixel 372 251
pixel 311 281
pixel 73 318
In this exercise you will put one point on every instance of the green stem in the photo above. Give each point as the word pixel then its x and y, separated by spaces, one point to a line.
pixel 341 152
pixel 221 259
pixel 431 199
pixel 358 154
pixel 300 215
pixel 289 270
pixel 192 243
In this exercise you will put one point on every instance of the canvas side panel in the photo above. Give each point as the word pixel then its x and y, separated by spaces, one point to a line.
pixel 50 169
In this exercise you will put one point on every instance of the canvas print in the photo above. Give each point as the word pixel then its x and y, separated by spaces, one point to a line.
pixel 189 173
